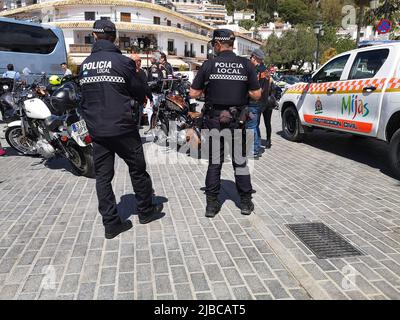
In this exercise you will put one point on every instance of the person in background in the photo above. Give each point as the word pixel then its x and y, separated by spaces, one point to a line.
pixel 67 72
pixel 255 107
pixel 11 74
pixel 168 67
pixel 143 77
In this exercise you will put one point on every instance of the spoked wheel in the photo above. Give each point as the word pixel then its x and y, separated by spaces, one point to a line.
pixel 22 144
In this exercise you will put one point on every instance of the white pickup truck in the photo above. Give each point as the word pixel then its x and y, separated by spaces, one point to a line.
pixel 356 92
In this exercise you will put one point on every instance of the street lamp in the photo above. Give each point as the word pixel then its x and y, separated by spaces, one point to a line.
pixel 319 31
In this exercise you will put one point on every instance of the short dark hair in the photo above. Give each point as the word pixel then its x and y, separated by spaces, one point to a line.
pixel 110 36
pixel 63 64
pixel 229 43
pixel 10 67
pixel 164 56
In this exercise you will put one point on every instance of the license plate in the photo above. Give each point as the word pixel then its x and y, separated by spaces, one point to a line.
pixel 80 128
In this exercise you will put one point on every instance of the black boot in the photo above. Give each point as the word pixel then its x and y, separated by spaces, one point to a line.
pixel 113 231
pixel 247 206
pixel 213 206
pixel 268 144
pixel 154 214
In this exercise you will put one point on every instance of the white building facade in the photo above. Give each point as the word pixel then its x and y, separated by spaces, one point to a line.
pixel 212 14
pixel 142 26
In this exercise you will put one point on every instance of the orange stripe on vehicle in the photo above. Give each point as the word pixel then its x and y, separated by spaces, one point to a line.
pixel 354 126
pixel 346 87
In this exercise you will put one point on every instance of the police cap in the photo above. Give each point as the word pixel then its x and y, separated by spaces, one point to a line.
pixel 104 26
pixel 222 35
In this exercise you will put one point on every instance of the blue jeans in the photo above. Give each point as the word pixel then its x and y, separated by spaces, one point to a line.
pixel 254 124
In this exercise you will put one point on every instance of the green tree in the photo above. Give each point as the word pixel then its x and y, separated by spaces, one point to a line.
pixel 273 51
pixel 297 11
pixel 295 47
pixel 331 12
pixel 247 24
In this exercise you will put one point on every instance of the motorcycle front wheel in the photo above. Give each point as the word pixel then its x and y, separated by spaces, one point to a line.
pixel 22 144
pixel 81 159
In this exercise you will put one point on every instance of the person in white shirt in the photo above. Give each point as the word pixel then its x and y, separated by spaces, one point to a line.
pixel 11 74
pixel 67 72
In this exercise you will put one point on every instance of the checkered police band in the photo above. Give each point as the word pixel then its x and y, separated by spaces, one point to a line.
pixel 98 79
pixel 98 30
pixel 223 38
pixel 228 77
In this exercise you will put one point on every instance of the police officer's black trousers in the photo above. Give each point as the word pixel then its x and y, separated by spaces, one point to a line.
pixel 216 159
pixel 129 148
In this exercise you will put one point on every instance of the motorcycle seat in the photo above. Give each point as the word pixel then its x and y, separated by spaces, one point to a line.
pixel 54 122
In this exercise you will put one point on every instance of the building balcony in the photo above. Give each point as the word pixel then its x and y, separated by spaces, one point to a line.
pixel 134 20
pixel 190 54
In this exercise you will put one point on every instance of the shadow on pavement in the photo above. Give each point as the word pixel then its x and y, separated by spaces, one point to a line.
pixel 229 192
pixel 369 151
pixel 128 206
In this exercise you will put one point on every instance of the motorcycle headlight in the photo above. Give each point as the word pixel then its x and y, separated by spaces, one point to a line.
pixel 5 87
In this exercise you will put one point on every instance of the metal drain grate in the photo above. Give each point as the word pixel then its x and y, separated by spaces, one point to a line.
pixel 323 241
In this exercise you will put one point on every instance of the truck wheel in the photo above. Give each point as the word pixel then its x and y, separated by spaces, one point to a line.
pixel 291 125
pixel 394 153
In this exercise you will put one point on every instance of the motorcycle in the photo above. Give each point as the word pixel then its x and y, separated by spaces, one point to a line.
pixel 39 131
pixel 7 105
pixel 174 106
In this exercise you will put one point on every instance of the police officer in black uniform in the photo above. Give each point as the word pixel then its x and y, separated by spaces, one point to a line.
pixel 111 95
pixel 227 82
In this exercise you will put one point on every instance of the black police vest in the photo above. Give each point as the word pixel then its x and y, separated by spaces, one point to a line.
pixel 228 81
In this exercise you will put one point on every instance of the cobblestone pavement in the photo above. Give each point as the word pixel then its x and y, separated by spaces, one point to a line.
pixel 52 242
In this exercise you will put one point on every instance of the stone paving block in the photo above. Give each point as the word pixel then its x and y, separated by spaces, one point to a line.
pixel 144 272
pixel 8 292
pixel 233 277
pixel 107 276
pixel 145 291
pixel 110 259
pixel 105 293
pixel 193 264
pixel 160 265
pixel 86 291
pixel 207 256
pixel 242 293
pixel 183 291
pixel 255 284
pixel 225 260
pixel 199 282
pixel 204 296
pixel 179 274
pixel 175 258
pixel 70 284
pixel 387 289
pixel 126 282
pixel 278 292
pixel 33 284
pixel 163 284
